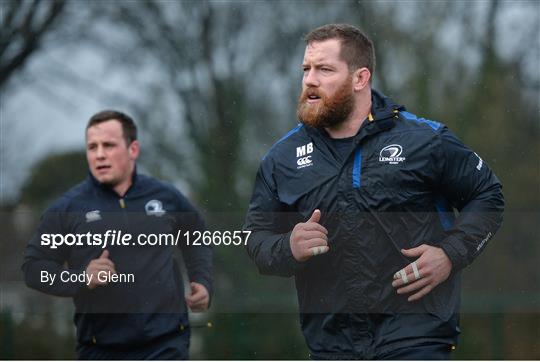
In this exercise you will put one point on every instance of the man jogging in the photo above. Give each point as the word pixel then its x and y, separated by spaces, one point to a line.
pixel 98 244
pixel 357 203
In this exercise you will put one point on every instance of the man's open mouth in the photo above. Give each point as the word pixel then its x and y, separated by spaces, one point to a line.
pixel 312 97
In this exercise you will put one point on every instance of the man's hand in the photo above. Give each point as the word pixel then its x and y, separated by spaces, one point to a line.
pixel 309 238
pixel 103 263
pixel 431 269
pixel 199 298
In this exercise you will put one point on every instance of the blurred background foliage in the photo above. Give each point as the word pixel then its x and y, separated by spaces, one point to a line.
pixel 212 85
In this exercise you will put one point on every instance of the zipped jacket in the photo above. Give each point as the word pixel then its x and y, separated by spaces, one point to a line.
pixel 405 181
pixel 135 309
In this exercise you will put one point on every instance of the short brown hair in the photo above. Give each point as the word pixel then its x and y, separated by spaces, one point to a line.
pixel 357 50
pixel 129 129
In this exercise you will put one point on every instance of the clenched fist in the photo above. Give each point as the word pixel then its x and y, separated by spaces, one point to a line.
pixel 103 263
pixel 309 238
pixel 199 298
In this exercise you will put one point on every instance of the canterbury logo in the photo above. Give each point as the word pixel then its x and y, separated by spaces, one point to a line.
pixel 391 154
pixel 93 216
pixel 304 161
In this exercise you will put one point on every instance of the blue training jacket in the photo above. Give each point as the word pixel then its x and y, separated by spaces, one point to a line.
pixel 132 311
pixel 396 188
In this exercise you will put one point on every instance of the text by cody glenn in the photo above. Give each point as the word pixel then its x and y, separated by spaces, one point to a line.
pixel 103 276
pixel 121 238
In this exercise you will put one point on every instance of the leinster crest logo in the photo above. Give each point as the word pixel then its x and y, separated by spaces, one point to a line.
pixel 154 207
pixel 391 154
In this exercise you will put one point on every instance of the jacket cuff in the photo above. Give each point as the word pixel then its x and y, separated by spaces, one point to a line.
pixel 456 251
pixel 290 262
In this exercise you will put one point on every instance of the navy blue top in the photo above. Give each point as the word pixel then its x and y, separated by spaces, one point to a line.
pixel 150 305
pixel 396 187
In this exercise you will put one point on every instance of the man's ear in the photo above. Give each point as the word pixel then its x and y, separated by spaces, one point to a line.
pixel 134 149
pixel 361 78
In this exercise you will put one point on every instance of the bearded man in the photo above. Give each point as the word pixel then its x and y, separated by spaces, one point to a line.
pixel 357 203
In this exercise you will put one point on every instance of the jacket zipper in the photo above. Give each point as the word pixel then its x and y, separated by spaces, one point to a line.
pixel 122 203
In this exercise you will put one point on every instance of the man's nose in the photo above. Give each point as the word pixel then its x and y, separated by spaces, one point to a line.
pixel 100 152
pixel 311 79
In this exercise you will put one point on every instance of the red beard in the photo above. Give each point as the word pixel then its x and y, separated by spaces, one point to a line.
pixel 329 111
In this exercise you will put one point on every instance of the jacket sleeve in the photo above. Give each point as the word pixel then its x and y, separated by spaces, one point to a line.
pixel 41 260
pixel 268 245
pixel 197 258
pixel 472 188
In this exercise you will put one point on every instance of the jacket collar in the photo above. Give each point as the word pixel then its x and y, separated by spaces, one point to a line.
pixel 384 111
pixel 383 107
pixel 106 188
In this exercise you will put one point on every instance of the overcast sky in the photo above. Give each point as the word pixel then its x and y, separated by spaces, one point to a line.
pixel 44 112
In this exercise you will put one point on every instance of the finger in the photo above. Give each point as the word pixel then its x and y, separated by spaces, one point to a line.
pixel 104 254
pixel 409 279
pixel 316 216
pixel 196 287
pixel 415 270
pixel 311 243
pixel 415 252
pixel 413 286
pixel 98 269
pixel 307 235
pixel 311 226
pixel 400 278
pixel 197 297
pixel 201 303
pixel 421 293
pixel 197 293
pixel 103 262
pixel 412 271
pixel 100 282
pixel 200 306
pixel 318 250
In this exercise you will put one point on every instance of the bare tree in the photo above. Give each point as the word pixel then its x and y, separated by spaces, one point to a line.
pixel 24 24
pixel 220 63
